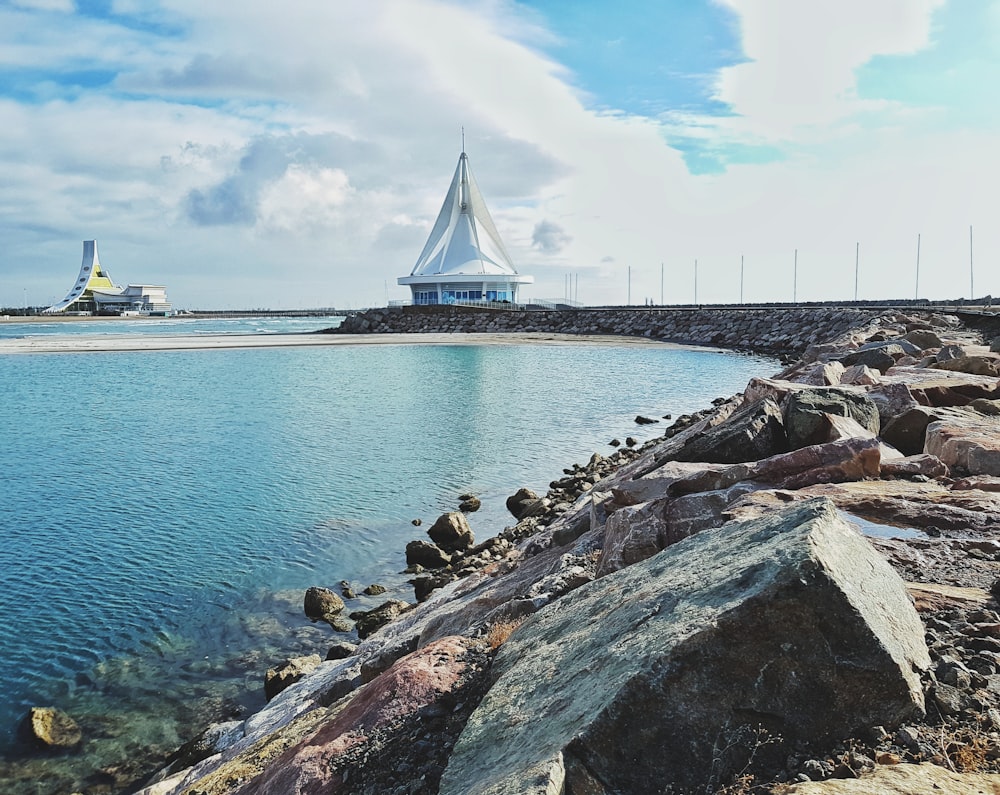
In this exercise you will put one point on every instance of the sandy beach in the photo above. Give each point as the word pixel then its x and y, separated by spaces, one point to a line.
pixel 86 343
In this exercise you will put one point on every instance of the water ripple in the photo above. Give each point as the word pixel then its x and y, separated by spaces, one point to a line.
pixel 157 506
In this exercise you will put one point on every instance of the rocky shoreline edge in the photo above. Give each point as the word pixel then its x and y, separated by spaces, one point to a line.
pixel 695 614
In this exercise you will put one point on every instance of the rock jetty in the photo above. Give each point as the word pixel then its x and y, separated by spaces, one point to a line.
pixel 772 331
pixel 793 591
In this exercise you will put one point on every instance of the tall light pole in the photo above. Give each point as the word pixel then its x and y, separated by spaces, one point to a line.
pixel 857 256
pixel 795 279
pixel 972 288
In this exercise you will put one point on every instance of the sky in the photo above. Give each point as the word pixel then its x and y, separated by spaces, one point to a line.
pixel 295 155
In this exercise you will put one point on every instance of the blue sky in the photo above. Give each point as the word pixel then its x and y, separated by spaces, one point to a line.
pixel 294 155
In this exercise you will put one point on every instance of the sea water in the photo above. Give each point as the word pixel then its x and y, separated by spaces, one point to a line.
pixel 164 511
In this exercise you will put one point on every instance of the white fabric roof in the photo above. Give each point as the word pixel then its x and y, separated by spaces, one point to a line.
pixel 464 239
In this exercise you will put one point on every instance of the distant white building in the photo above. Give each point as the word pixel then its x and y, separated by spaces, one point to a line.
pixel 464 258
pixel 96 293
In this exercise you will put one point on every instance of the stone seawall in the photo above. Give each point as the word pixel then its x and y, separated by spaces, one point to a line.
pixel 771 331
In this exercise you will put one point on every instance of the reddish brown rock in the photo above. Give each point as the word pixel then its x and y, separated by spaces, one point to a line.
pixel 416 684
pixel 848 459
pixel 860 375
pixel 927 465
pixel 972 446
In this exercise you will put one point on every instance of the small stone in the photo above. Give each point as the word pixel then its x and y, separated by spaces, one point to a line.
pixel 469 504
pixel 631 441
pixel 416 522
pixel 375 589
pixel 908 736
pixel 888 758
pixel 341 651
pixel 346 590
pixel 640 420
pixel 615 443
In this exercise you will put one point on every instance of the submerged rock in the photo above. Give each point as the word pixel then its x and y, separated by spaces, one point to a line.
pixel 792 623
pixel 50 728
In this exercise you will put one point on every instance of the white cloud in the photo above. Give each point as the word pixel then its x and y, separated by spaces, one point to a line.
pixel 803 56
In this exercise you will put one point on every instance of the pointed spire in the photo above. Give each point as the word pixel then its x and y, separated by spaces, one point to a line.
pixel 464 239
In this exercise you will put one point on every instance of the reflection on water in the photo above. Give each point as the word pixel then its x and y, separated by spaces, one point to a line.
pixel 877 530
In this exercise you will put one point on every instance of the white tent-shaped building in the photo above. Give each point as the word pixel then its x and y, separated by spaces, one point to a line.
pixel 464 258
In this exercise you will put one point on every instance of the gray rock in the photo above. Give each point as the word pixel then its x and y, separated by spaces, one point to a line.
pixel 370 621
pixel 341 651
pixel 995 345
pixel 423 553
pixel 753 432
pixel 791 622
pixel 519 502
pixel 804 410
pixel 923 339
pixel 949 352
pixel 875 358
pixel 906 431
pixel 451 532
pixel 321 604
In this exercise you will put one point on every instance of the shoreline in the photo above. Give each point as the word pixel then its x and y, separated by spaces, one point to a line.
pixel 481 611
pixel 85 343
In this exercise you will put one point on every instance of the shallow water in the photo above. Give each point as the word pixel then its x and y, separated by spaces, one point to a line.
pixel 163 511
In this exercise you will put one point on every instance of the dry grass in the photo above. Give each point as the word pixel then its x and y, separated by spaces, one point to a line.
pixel 498 633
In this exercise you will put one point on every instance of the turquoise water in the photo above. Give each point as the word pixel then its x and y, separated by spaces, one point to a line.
pixel 163 511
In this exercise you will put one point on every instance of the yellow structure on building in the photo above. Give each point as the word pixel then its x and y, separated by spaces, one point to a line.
pixel 96 293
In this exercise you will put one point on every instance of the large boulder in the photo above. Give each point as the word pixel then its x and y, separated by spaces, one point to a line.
pixel 971 445
pixel 804 410
pixel 833 462
pixel 875 358
pixel 923 339
pixel 755 431
pixel 451 532
pixel 974 365
pixel 791 623
pixel 50 728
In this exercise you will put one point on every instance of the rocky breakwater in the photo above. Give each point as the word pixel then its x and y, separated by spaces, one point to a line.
pixel 773 331
pixel 702 614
